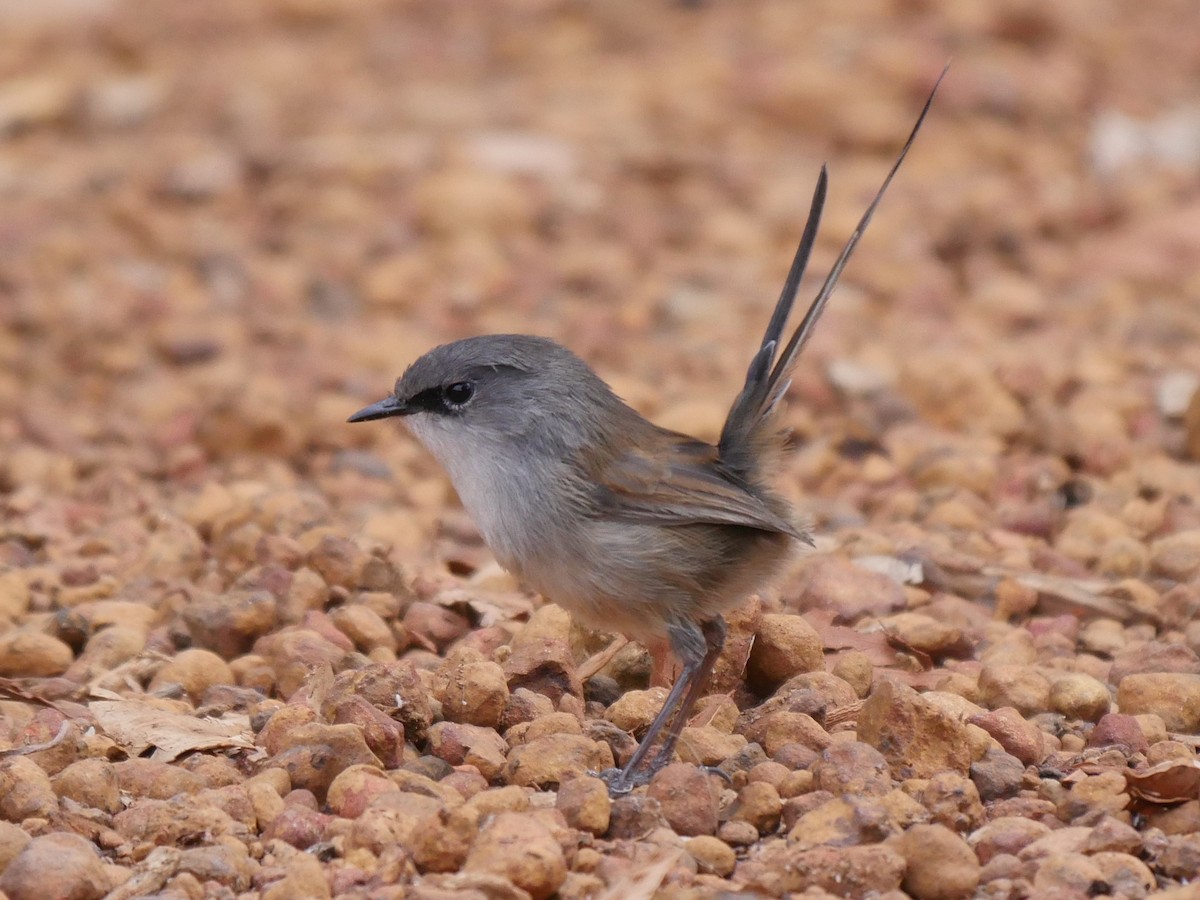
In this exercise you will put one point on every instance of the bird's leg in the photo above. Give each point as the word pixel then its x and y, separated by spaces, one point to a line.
pixel 697 648
pixel 622 781
pixel 714 631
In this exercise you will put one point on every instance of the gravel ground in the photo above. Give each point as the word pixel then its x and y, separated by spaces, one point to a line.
pixel 248 650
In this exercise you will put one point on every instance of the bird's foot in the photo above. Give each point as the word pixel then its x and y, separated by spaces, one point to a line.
pixel 719 772
pixel 621 781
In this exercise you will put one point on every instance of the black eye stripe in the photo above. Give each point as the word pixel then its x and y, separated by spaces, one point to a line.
pixel 429 400
pixel 448 399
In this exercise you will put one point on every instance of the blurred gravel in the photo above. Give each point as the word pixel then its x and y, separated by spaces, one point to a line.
pixel 247 650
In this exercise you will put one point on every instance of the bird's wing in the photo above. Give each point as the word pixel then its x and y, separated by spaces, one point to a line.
pixel 682 486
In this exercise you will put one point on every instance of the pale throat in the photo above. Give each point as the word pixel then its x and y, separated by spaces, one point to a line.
pixel 505 493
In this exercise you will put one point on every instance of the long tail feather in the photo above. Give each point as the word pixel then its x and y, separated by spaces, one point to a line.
pixel 747 407
pixel 770 372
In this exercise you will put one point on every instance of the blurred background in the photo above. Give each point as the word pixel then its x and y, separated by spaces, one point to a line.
pixel 225 226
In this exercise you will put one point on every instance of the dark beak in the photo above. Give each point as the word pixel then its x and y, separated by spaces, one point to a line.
pixel 388 406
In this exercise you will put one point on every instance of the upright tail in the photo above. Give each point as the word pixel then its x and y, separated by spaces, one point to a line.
pixel 748 427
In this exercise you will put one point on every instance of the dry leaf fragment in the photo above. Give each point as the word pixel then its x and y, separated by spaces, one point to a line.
pixel 42 695
pixel 1173 781
pixel 644 883
pixel 138 726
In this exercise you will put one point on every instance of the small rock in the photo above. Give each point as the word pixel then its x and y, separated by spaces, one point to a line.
pixel 1105 792
pixel 585 804
pixel 1177 556
pixel 1153 656
pixel 688 799
pixel 60 865
pixel 759 804
pixel 1079 696
pixel 467 781
pixel 636 815
pixel 439 625
pixel 544 665
pixel 552 723
pixel 34 101
pixel 1181 819
pixel 999 774
pixel 1067 874
pixel 779 868
pixel 172 821
pixel 1102 637
pixel 194 670
pixel 354 789
pixel 383 734
pixel 1006 834
pixel 843 822
pixel 903 810
pixel 953 801
pixel 636 709
pixel 1173 696
pixel 509 798
pixel 785 645
pixel 1117 730
pixel 837 584
pixel 25 790
pixel 155 780
pixel 852 767
pixel 1180 858
pixel 737 833
pixel 475 693
pixel 471 745
pixel 1019 686
pixel 917 738
pixel 294 654
pixel 520 848
pixel 1011 731
pixel 32 654
pixel 1068 839
pixel 92 783
pixel 442 840
pixel 525 706
pixel 704 745
pixel 941 866
pixel 229 624
pixel 203 175
pixel 1112 835
pixel 304 879
pixel 13 839
pixel 784 728
pixel 366 628
pixel 124 101
pixel 297 826
pixel 1126 875
pixel 928 635
pixel 855 668
pixel 316 753
pixel 771 772
pixel 1003 867
pixel 711 855
pixel 555 758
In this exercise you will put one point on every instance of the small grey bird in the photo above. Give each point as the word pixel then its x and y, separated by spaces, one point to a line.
pixel 629 526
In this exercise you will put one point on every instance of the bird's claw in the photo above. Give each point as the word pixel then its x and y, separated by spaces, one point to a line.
pixel 621 782
pixel 719 772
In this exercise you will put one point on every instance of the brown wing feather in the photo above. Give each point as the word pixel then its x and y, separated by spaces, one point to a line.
pixel 682 483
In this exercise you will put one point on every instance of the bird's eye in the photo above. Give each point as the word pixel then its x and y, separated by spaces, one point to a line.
pixel 459 394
